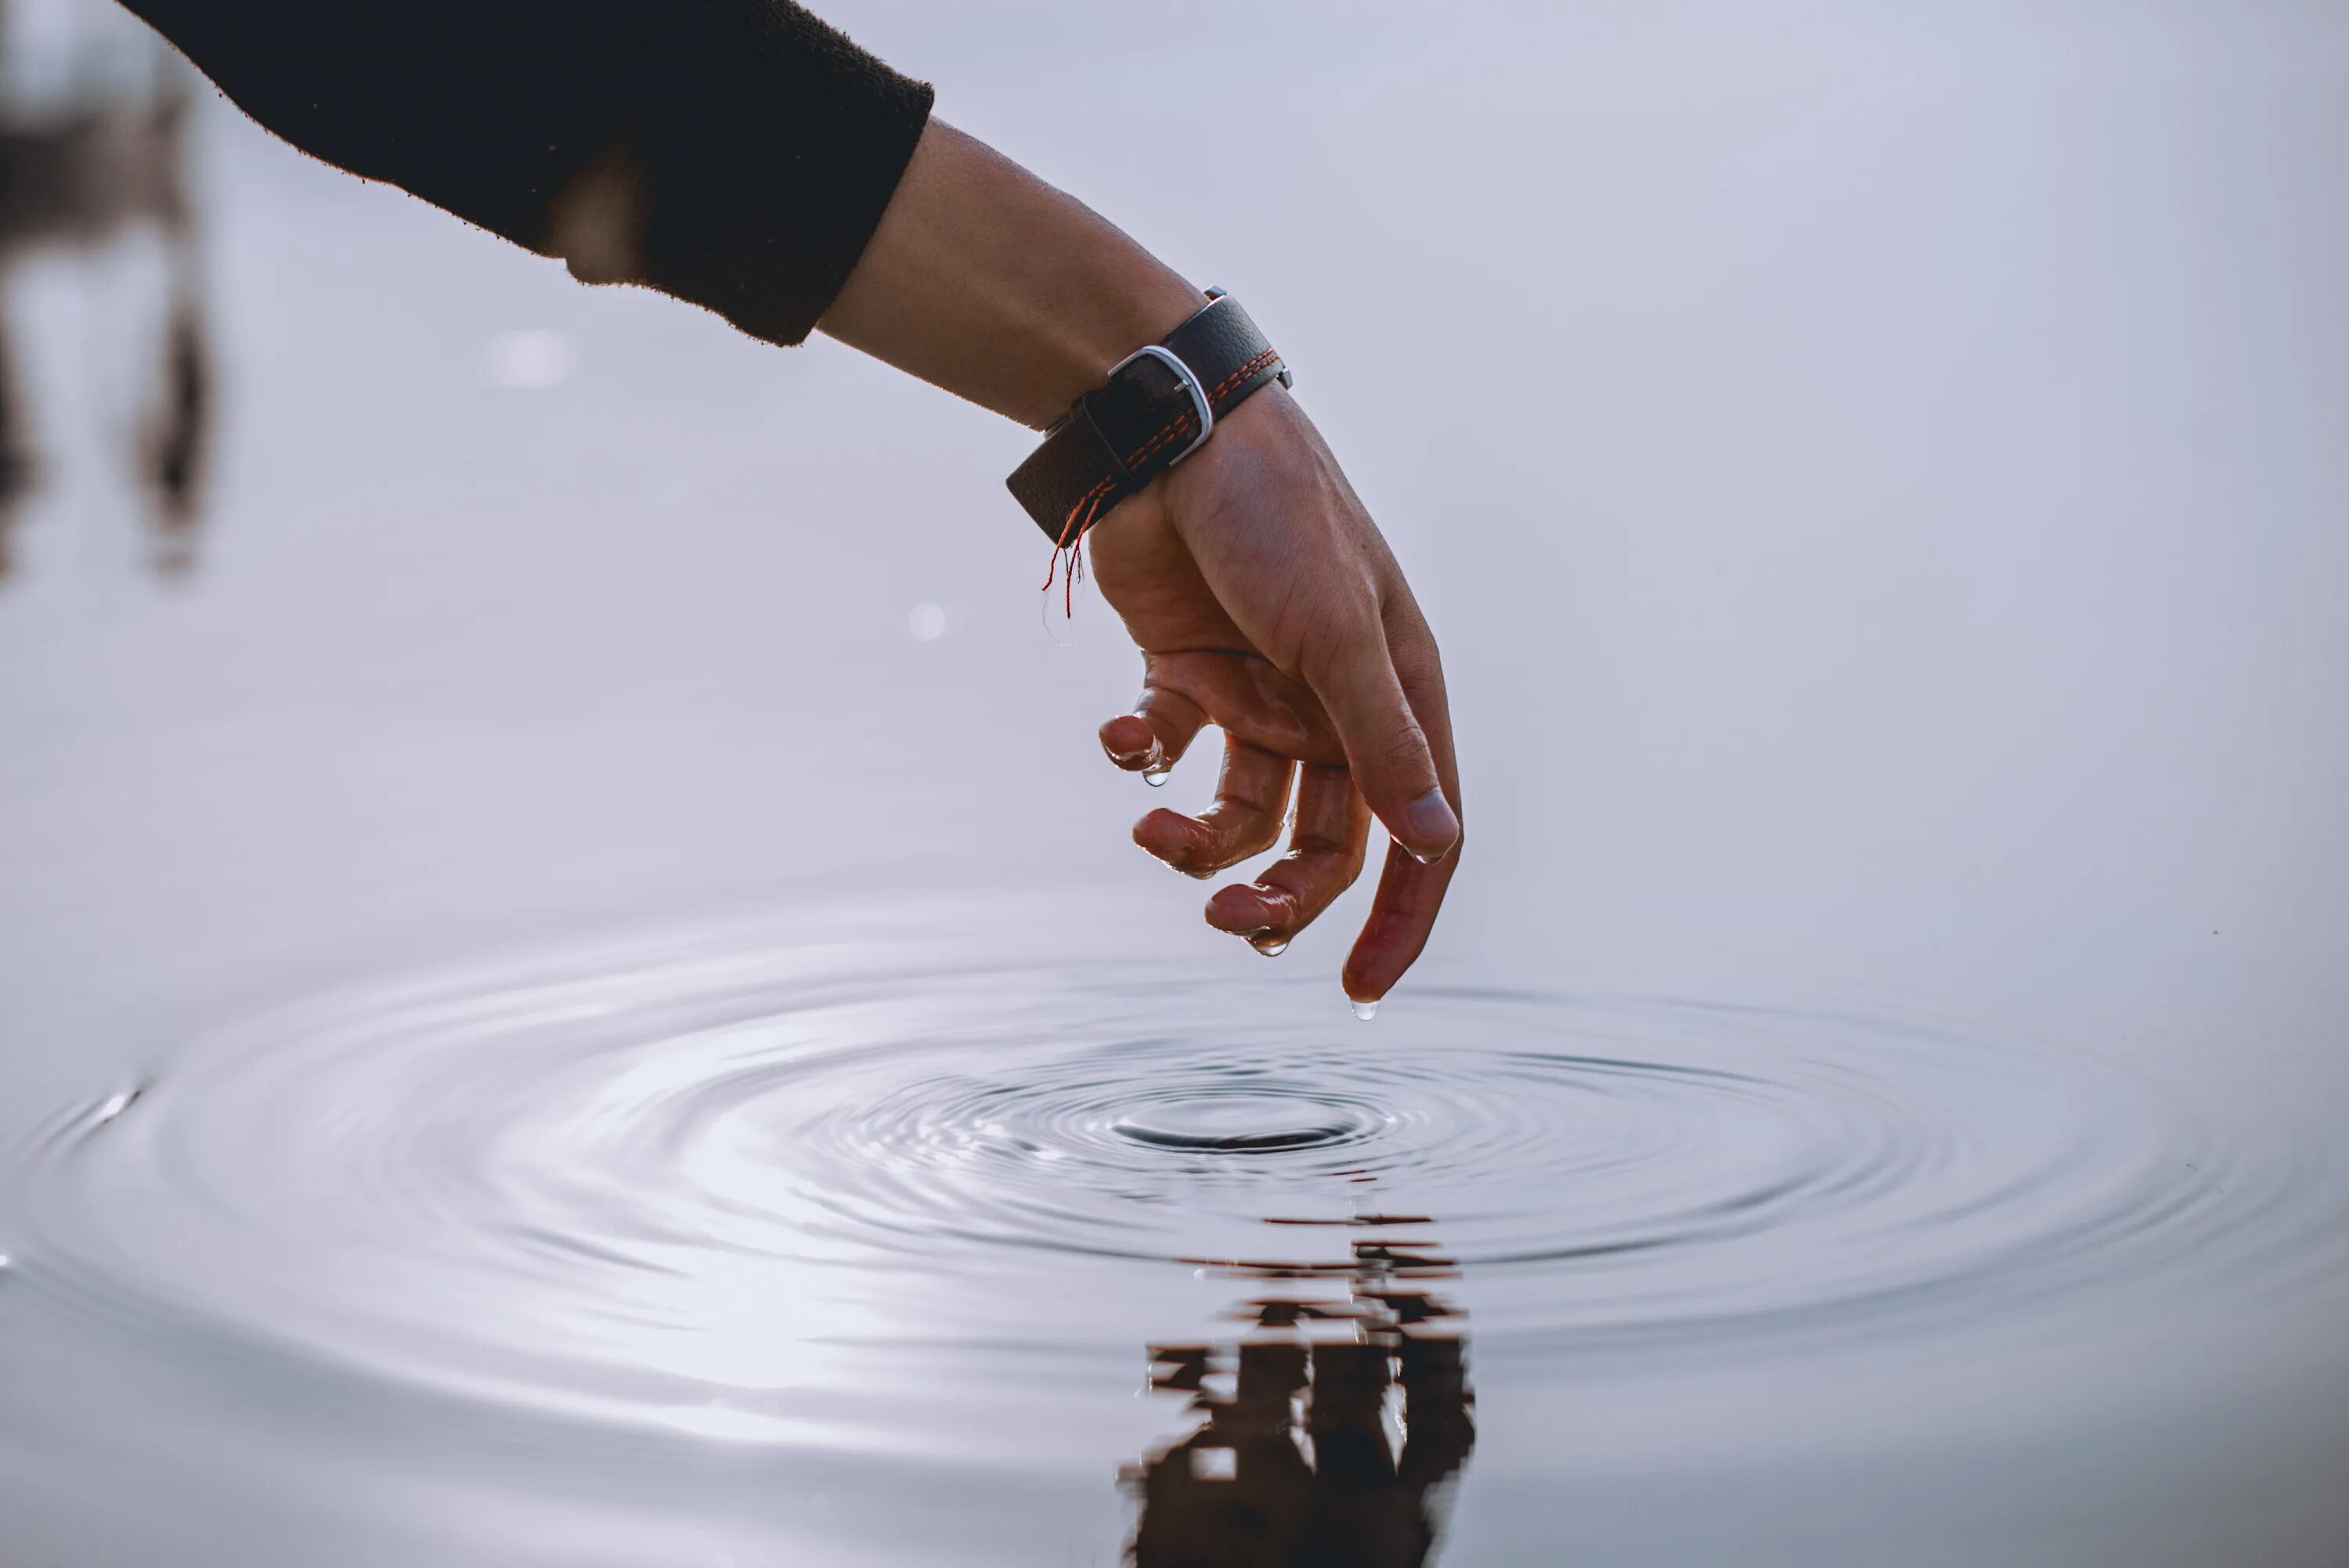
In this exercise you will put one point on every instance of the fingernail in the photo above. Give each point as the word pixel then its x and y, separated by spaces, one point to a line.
pixel 1431 823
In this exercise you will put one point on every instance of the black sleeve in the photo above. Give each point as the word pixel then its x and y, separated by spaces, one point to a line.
pixel 735 153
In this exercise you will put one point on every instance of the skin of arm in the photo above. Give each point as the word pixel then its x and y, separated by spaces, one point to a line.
pixel 1260 591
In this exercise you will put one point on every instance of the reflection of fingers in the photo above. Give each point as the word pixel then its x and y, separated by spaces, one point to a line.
pixel 1153 736
pixel 1325 856
pixel 1245 820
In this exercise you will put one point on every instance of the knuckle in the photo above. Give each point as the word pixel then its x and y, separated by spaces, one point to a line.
pixel 1257 840
pixel 1404 750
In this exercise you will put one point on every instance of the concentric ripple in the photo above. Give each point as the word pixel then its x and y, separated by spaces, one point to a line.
pixel 700 1184
pixel 1246 1121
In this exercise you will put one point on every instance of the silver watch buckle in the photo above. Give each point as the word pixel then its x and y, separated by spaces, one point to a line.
pixel 1190 380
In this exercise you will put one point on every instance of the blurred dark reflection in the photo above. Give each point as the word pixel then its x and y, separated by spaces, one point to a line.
pixel 1330 1430
pixel 92 146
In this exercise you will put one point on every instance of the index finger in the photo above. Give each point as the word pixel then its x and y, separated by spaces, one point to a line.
pixel 1409 892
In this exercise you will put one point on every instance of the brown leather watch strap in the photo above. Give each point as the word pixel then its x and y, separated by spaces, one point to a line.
pixel 1157 408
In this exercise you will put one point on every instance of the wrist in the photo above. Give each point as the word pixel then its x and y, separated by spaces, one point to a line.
pixel 986 280
pixel 1157 407
pixel 1106 307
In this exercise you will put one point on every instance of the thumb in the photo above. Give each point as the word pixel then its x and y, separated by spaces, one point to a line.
pixel 1386 750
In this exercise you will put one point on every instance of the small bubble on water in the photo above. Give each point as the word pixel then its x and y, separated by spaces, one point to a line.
pixel 1363 1010
pixel 114 1106
pixel 925 623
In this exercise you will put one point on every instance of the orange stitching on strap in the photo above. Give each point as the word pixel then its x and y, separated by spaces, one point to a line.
pixel 1243 373
pixel 1160 439
pixel 1184 421
pixel 1071 542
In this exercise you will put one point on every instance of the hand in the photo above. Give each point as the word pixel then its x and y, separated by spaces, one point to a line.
pixel 1259 590
pixel 1265 603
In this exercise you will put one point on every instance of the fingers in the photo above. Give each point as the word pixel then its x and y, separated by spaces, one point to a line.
pixel 1411 891
pixel 1153 737
pixel 1386 745
pixel 1325 856
pixel 1245 820
pixel 1403 913
pixel 1386 705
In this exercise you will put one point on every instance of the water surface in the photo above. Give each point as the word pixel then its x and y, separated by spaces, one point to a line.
pixel 884 1194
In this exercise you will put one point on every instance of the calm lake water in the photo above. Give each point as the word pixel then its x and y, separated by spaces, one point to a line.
pixel 574 989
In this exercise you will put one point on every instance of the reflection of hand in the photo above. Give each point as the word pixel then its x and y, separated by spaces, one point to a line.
pixel 1266 603
pixel 1239 1492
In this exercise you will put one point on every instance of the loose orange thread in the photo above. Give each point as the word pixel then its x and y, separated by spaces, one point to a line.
pixel 1072 543
pixel 1082 516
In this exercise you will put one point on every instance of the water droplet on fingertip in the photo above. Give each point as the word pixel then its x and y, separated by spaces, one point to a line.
pixel 1363 1010
pixel 1154 777
pixel 1270 946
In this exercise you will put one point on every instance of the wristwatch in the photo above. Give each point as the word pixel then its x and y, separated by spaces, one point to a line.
pixel 1158 405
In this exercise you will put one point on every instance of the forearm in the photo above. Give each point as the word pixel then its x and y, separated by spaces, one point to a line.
pixel 984 279
pixel 735 153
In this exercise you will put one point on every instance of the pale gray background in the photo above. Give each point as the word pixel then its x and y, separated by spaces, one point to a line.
pixel 1876 471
